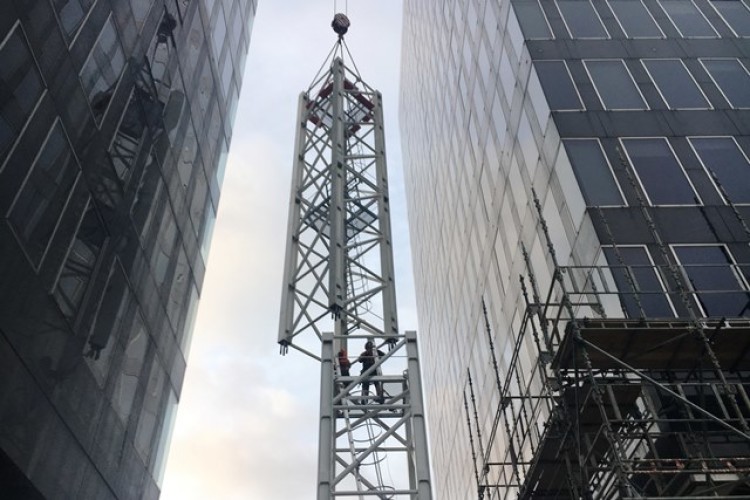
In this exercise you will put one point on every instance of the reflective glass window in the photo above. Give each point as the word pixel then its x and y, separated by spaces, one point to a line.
pixel 166 239
pixel 20 87
pixel 582 19
pixel 128 377
pixel 165 437
pixel 205 91
pixel 641 289
pixel 148 197
pixel 593 172
pixel 71 14
pixel 218 32
pixel 735 13
pixel 209 220
pixel 180 282
pixel 102 69
pixel 558 85
pixel 715 279
pixel 198 201
pixel 532 19
pixel 45 192
pixel 140 11
pixel 127 141
pixel 723 158
pixel 661 175
pixel 635 19
pixel 80 263
pixel 226 74
pixel 614 85
pixel 104 338
pixel 188 153
pixel 675 84
pixel 688 20
pixel 150 410
pixel 732 79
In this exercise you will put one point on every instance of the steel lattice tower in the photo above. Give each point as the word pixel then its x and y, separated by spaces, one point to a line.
pixel 339 289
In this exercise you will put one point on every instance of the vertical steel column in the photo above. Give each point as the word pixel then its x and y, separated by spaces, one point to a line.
pixel 326 451
pixel 337 213
pixel 384 214
pixel 419 427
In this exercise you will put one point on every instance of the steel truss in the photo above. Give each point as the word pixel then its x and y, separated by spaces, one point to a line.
pixel 616 405
pixel 339 287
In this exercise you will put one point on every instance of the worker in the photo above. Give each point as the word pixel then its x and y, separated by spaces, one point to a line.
pixel 344 363
pixel 368 358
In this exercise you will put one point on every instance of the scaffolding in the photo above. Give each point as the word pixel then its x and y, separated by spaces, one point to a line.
pixel 339 288
pixel 604 399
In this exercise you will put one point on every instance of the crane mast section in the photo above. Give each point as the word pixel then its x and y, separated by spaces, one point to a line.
pixel 338 273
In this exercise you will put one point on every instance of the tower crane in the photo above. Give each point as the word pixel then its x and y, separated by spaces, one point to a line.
pixel 339 291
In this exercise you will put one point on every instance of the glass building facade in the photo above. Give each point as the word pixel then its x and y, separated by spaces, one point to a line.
pixel 115 121
pixel 547 133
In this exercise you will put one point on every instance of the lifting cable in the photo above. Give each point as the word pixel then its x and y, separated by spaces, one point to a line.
pixel 346 7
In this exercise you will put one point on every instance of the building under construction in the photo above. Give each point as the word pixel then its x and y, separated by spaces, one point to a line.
pixel 578 186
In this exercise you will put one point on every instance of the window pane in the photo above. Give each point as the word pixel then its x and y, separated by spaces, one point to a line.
pixel 711 273
pixel 45 193
pixel 688 20
pixel 637 279
pixel 615 86
pixel 20 88
pixel 581 19
pixel 558 86
pixel 635 19
pixel 593 172
pixel 675 84
pixel 660 174
pixel 732 79
pixel 532 20
pixel 723 157
pixel 735 14
pixel 102 69
pixel 71 13
pixel 79 264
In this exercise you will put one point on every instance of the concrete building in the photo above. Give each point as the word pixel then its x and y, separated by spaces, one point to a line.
pixel 115 121
pixel 578 187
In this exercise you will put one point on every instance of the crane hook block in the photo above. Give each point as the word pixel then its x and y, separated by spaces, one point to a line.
pixel 340 24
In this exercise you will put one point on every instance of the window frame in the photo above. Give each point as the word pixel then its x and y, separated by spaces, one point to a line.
pixel 59 216
pixel 585 62
pixel 608 35
pixel 650 14
pixel 631 163
pixel 729 25
pixel 606 160
pixel 654 267
pixel 705 167
pixel 570 76
pixel 679 31
pixel 702 60
pixel 733 265
pixel 709 106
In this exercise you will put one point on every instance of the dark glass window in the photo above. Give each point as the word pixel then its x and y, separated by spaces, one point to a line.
pixel 581 19
pixel 593 172
pixel 688 20
pixel 129 374
pixel 558 86
pixel 661 175
pixel 641 289
pixel 188 154
pixel 140 11
pixel 148 197
pixel 675 84
pixel 153 400
pixel 532 19
pixel 80 263
pixel 735 14
pixel 732 79
pixel 102 69
pixel 20 88
pixel 127 142
pixel 71 14
pixel 723 157
pixel 164 248
pixel 615 86
pixel 104 340
pixel 720 290
pixel 635 19
pixel 45 192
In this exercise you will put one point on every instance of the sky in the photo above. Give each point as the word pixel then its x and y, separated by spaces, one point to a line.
pixel 246 424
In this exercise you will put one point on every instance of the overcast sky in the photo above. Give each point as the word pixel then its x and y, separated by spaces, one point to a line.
pixel 247 420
